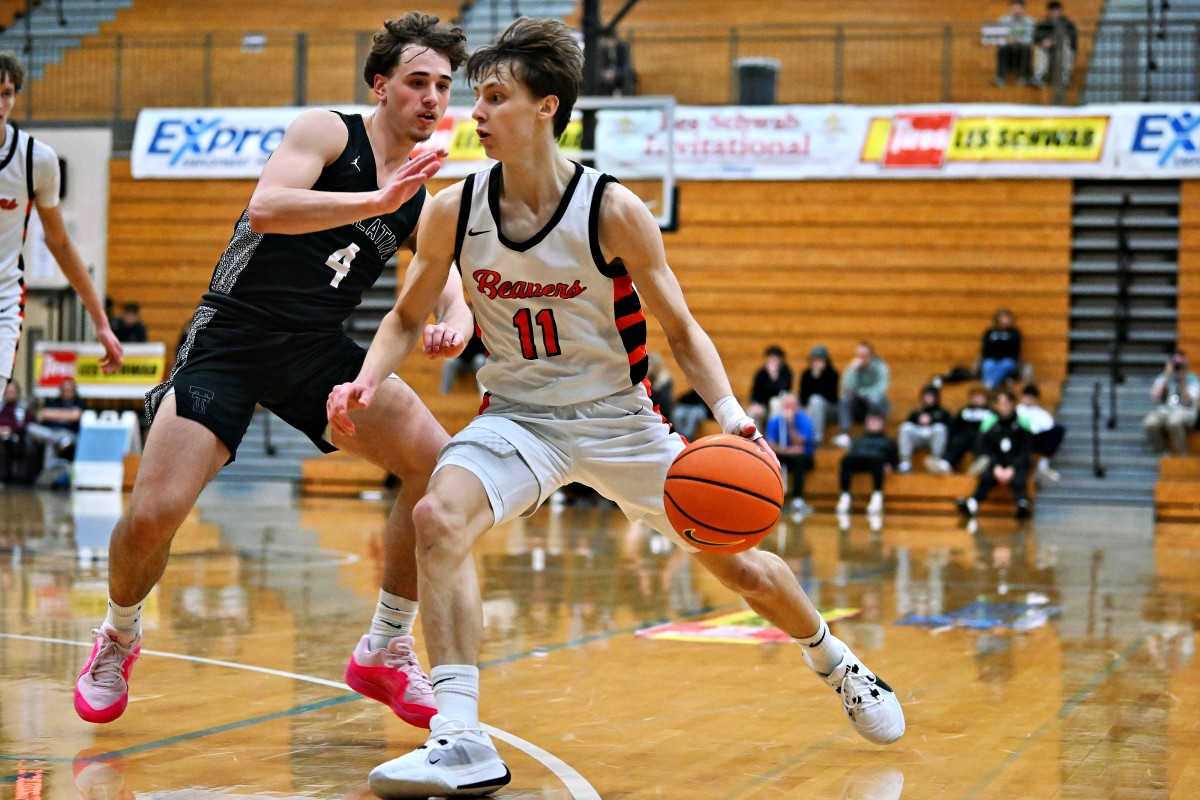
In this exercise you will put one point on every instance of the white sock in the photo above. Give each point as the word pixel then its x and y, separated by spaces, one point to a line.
pixel 456 691
pixel 394 616
pixel 823 651
pixel 125 618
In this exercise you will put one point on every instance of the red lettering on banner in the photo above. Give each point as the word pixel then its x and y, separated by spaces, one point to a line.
pixel 491 285
pixel 918 140
pixel 57 367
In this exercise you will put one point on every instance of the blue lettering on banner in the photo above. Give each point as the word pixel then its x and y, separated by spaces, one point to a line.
pixel 181 139
pixel 1167 135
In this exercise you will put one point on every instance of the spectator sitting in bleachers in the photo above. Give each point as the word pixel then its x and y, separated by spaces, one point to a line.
pixel 13 440
pixel 772 379
pixel 690 412
pixel 129 326
pixel 1047 434
pixel 1000 352
pixel 1176 391
pixel 1056 41
pixel 927 428
pixel 864 387
pixel 1007 444
pixel 789 434
pixel 1016 54
pixel 57 424
pixel 819 391
pixel 964 432
pixel 874 452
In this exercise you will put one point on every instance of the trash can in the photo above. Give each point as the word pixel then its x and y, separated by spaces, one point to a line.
pixel 756 80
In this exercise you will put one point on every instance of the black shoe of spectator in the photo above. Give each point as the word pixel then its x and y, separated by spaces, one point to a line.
pixel 1022 510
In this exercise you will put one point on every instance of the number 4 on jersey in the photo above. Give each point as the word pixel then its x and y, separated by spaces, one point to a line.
pixel 339 262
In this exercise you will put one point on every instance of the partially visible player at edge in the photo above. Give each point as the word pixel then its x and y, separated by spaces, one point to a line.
pixel 29 176
pixel 550 253
pixel 337 198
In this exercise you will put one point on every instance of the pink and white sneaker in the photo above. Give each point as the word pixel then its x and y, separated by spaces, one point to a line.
pixel 102 689
pixel 393 676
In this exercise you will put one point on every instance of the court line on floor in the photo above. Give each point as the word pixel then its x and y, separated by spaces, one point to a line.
pixel 578 786
pixel 1067 707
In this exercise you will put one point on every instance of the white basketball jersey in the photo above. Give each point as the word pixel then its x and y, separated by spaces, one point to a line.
pixel 560 326
pixel 16 165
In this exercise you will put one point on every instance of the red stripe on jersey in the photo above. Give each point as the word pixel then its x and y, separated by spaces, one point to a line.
pixel 622 287
pixel 630 320
pixel 637 355
pixel 483 404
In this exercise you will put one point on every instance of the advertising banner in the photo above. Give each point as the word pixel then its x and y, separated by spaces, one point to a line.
pixel 55 362
pixel 790 142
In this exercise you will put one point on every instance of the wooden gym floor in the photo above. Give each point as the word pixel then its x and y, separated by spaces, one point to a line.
pixel 1069 673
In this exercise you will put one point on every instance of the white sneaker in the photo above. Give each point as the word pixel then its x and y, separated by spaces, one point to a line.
pixel 453 762
pixel 978 466
pixel 843 504
pixel 870 703
pixel 875 522
pixel 1044 470
pixel 876 504
pixel 800 508
pixel 938 466
pixel 904 468
pixel 842 440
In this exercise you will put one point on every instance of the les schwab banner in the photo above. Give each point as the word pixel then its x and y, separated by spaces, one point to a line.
pixel 55 362
pixel 755 142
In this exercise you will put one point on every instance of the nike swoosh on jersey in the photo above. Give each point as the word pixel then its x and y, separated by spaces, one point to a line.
pixel 477 233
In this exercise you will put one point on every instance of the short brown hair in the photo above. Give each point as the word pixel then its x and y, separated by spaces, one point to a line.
pixel 543 55
pixel 413 28
pixel 12 68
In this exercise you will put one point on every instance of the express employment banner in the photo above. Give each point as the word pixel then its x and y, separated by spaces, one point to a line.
pixel 791 142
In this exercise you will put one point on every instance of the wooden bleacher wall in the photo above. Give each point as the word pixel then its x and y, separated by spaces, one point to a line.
pixel 163 60
pixel 671 60
pixel 916 267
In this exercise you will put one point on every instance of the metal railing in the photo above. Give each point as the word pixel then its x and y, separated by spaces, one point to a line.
pixel 110 78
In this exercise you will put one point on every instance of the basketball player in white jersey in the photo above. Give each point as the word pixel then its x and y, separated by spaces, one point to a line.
pixel 29 177
pixel 338 197
pixel 550 253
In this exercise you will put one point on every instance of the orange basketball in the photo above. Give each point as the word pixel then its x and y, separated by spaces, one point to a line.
pixel 723 493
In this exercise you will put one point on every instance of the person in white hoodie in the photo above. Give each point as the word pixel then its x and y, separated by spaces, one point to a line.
pixel 1047 434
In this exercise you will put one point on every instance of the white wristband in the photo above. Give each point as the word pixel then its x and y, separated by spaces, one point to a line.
pixel 730 415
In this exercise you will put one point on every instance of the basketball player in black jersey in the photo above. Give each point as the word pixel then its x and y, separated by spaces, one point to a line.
pixel 339 196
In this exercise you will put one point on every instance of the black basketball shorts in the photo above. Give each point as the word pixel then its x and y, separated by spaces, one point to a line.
pixel 225 368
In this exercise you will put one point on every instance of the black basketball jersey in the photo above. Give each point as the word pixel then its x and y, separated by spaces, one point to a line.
pixel 313 281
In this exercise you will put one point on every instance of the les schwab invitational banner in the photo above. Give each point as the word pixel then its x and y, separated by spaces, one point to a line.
pixel 756 142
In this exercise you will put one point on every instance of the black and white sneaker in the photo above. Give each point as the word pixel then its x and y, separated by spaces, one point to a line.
pixel 453 762
pixel 870 703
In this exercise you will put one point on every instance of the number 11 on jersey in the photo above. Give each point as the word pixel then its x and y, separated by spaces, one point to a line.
pixel 523 321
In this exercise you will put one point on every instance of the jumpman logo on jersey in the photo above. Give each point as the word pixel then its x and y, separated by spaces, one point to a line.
pixel 355 163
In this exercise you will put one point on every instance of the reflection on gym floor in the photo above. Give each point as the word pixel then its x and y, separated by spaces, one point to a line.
pixel 1052 658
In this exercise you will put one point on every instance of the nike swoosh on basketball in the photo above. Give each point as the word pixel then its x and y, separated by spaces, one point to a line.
pixel 477 233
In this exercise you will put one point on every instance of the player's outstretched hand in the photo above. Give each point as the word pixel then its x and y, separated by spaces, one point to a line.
pixel 114 353
pixel 749 430
pixel 406 180
pixel 344 398
pixel 441 341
